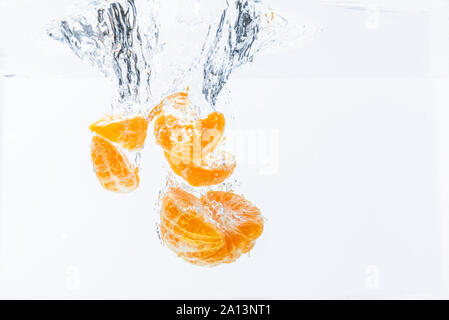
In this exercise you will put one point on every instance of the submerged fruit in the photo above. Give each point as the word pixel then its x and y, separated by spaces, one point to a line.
pixel 185 229
pixel 189 139
pixel 209 170
pixel 218 228
pixel 178 100
pixel 112 167
pixel 238 218
pixel 188 147
pixel 130 133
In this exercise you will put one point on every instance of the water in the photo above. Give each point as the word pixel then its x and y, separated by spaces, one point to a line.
pixel 108 35
pixel 357 195
pixel 150 49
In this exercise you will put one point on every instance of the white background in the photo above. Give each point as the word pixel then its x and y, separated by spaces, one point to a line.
pixel 358 207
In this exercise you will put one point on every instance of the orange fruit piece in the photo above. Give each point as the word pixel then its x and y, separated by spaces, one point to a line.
pixel 185 229
pixel 112 167
pixel 191 138
pixel 130 133
pixel 178 100
pixel 218 228
pixel 239 219
pixel 210 170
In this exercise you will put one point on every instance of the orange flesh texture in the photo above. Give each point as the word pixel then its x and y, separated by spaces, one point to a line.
pixel 177 100
pixel 218 228
pixel 241 221
pixel 192 139
pixel 211 170
pixel 185 229
pixel 130 133
pixel 112 167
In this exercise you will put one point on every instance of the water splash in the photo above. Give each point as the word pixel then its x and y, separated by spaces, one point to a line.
pixel 245 28
pixel 152 52
pixel 152 48
pixel 108 35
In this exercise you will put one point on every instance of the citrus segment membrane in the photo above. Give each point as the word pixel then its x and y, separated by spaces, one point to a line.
pixel 185 229
pixel 189 145
pixel 216 229
pixel 112 167
pixel 210 170
pixel 130 133
pixel 178 101
pixel 239 219
pixel 189 137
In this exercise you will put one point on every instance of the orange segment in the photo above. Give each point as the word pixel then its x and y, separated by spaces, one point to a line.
pixel 112 167
pixel 210 170
pixel 217 229
pixel 170 130
pixel 188 147
pixel 130 133
pixel 192 138
pixel 238 218
pixel 177 100
pixel 186 230
pixel 212 128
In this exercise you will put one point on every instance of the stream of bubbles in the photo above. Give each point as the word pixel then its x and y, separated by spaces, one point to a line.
pixel 152 48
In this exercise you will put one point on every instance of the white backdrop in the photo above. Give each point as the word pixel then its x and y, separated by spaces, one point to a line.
pixel 353 186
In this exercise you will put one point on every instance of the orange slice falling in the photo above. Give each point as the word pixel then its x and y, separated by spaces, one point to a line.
pixel 210 170
pixel 217 229
pixel 238 218
pixel 188 147
pixel 178 100
pixel 130 133
pixel 112 167
pixel 203 134
pixel 185 229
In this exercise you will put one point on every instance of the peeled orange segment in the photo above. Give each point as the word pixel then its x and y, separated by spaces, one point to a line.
pixel 208 171
pixel 192 139
pixel 212 128
pixel 154 112
pixel 130 133
pixel 186 230
pixel 238 218
pixel 112 167
pixel 218 228
pixel 179 101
